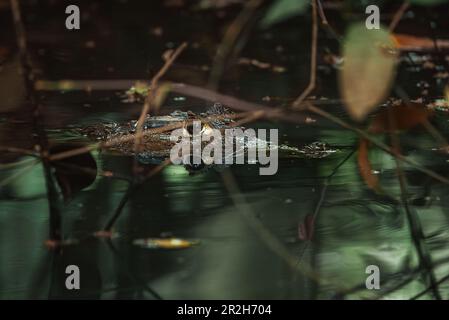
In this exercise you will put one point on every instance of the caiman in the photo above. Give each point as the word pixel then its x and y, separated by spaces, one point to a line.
pixel 155 144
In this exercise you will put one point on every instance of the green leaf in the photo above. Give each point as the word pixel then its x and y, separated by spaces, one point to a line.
pixel 282 10
pixel 368 69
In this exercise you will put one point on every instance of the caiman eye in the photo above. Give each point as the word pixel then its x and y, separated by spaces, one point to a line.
pixel 206 129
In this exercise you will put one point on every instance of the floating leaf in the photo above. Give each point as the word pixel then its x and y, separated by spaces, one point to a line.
pixel 282 10
pixel 165 243
pixel 368 70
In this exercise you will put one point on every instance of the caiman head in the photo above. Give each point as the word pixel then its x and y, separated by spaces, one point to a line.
pixel 155 144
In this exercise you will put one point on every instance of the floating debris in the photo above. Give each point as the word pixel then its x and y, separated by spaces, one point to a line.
pixel 165 243
pixel 444 150
pixel 136 93
pixel 439 105
pixel 53 244
pixel 261 65
pixel 310 120
pixel 441 75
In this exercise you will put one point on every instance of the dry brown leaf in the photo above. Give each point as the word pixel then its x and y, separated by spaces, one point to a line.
pixel 398 117
pixel 408 42
pixel 404 117
pixel 366 171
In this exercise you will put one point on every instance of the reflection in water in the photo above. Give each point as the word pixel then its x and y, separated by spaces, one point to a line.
pixel 353 229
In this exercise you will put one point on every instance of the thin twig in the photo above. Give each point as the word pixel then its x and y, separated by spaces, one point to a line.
pixel 16 164
pixel 253 116
pixel 430 288
pixel 314 216
pixel 153 89
pixel 415 226
pixel 325 22
pixel 235 103
pixel 321 199
pixel 398 15
pixel 87 85
pixel 18 173
pixel 404 280
pixel 139 282
pixel 436 134
pixel 227 45
pixel 19 151
pixel 118 210
pixel 92 172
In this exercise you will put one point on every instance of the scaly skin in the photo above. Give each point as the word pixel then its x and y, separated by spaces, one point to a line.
pixel 156 146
